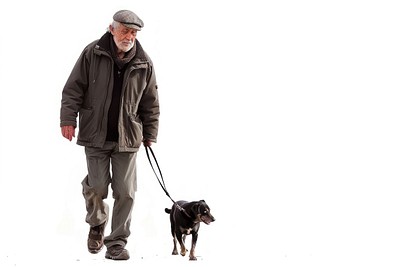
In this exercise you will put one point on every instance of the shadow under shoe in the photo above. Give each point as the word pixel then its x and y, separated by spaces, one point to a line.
pixel 95 240
pixel 117 252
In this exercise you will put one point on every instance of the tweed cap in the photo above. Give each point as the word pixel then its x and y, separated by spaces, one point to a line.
pixel 128 19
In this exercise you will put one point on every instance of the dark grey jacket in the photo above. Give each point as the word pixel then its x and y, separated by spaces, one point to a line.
pixel 88 92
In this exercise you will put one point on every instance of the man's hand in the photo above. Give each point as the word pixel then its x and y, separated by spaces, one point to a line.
pixel 68 131
pixel 146 142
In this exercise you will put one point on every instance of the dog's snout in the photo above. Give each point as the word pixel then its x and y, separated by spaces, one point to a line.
pixel 212 218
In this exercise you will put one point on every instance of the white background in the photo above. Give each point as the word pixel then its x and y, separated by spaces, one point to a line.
pixel 282 115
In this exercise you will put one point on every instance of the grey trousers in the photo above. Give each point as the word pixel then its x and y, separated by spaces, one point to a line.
pixel 123 184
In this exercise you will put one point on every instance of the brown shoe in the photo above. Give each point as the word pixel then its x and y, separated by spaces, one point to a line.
pixel 117 252
pixel 95 240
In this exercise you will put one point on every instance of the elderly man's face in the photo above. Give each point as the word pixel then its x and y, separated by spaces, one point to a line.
pixel 124 37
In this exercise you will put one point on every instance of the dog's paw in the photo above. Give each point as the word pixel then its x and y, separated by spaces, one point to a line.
pixel 192 258
pixel 183 251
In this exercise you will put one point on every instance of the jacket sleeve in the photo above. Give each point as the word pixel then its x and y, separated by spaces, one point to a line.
pixel 149 108
pixel 74 91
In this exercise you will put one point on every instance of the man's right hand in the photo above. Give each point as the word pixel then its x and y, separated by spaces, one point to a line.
pixel 68 131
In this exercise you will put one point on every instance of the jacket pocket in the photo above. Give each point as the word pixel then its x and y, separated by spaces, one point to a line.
pixel 133 131
pixel 86 124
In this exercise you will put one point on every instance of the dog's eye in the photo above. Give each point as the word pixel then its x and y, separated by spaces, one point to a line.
pixel 205 212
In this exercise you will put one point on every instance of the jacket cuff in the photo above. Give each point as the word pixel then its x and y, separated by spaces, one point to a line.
pixel 68 123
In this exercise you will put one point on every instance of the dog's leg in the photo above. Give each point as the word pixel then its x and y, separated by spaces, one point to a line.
pixel 175 250
pixel 184 242
pixel 192 257
pixel 180 237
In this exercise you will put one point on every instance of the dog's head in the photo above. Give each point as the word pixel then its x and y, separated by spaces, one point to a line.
pixel 202 211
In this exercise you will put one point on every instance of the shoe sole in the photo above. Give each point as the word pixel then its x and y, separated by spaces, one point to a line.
pixel 121 257
pixel 95 251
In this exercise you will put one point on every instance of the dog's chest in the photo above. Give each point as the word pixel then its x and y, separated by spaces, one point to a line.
pixel 189 229
pixel 186 231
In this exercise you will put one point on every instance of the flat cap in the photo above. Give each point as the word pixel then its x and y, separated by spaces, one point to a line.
pixel 128 19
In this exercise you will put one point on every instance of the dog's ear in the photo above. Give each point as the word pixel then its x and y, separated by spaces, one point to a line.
pixel 196 208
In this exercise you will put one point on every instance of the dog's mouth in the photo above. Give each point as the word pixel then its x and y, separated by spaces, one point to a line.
pixel 207 220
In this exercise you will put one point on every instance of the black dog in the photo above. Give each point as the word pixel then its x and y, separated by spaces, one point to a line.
pixel 185 219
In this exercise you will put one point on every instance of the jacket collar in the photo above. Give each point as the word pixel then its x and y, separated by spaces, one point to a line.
pixel 104 44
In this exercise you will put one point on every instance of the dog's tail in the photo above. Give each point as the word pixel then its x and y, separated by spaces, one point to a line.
pixel 167 210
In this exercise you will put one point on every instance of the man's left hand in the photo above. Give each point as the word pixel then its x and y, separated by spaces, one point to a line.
pixel 146 142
